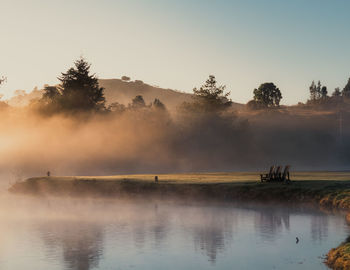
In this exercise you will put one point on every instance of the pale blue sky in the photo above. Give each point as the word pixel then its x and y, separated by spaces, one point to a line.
pixel 177 44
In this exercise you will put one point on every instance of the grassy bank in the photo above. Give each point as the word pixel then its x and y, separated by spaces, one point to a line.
pixel 326 188
pixel 339 258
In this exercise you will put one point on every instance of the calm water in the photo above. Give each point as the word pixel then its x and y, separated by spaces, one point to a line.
pixel 80 234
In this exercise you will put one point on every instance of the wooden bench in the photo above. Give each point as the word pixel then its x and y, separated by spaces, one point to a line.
pixel 276 176
pixel 268 176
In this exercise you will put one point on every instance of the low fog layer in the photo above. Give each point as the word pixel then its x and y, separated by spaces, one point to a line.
pixel 148 140
pixel 135 141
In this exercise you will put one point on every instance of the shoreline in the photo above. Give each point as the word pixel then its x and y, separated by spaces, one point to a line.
pixel 326 193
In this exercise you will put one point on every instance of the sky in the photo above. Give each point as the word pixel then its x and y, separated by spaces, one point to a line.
pixel 177 44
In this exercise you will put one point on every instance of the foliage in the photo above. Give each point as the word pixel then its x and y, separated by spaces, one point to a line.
pixel 116 107
pixel 137 102
pixel 51 93
pixel 324 92
pixel 337 92
pixel 125 78
pixel 81 90
pixel 346 90
pixel 2 80
pixel 3 105
pixel 267 95
pixel 157 104
pixel 78 91
pixel 315 91
pixel 209 97
pixel 318 94
pixel 254 105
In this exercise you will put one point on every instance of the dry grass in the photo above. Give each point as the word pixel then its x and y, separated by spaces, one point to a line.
pixel 339 258
pixel 329 189
pixel 208 178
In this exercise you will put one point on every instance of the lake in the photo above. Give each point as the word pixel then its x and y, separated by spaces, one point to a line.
pixel 134 234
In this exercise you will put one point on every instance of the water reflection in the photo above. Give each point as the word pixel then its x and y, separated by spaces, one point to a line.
pixel 81 243
pixel 159 227
pixel 149 224
pixel 319 227
pixel 154 228
pixel 213 231
pixel 270 222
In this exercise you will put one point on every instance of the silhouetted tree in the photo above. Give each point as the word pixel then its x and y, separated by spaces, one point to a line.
pixel 210 96
pixel 253 105
pixel 267 95
pixel 2 80
pixel 336 99
pixel 116 107
pixel 318 90
pixel 313 91
pixel 3 105
pixel 337 92
pixel 346 90
pixel 137 102
pixel 80 90
pixel 125 78
pixel 51 101
pixel 324 92
pixel 158 104
pixel 51 93
pixel 318 93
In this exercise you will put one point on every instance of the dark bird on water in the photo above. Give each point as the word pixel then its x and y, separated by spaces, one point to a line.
pixel 297 240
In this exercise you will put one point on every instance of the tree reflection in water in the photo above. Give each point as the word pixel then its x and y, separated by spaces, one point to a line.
pixel 81 242
pixel 270 222
pixel 152 227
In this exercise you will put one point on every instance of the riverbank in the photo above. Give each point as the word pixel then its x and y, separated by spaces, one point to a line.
pixel 328 189
pixel 339 258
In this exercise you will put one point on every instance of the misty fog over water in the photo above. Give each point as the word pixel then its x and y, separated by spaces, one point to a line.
pixel 96 234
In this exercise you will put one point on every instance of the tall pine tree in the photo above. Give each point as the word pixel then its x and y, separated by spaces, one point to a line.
pixel 79 90
pixel 212 96
pixel 313 91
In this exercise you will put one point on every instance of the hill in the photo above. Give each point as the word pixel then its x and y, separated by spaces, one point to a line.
pixel 117 90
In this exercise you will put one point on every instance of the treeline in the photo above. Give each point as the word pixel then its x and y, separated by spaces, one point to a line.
pixel 319 95
pixel 269 96
pixel 79 92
